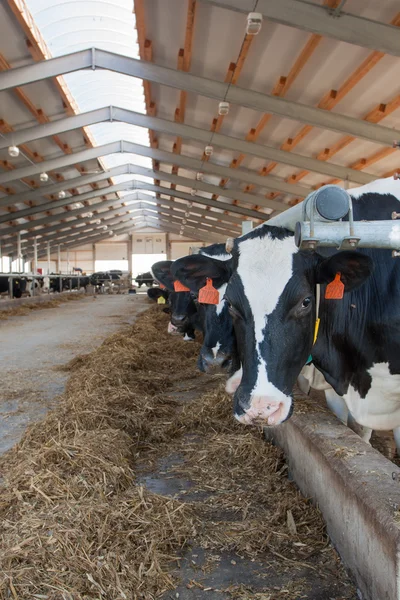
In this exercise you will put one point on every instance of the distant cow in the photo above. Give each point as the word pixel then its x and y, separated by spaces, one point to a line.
pixel 144 279
pixel 184 316
pixel 218 352
pixel 18 285
pixel 60 284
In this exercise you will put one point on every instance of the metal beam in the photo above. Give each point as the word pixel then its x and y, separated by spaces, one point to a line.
pixel 115 201
pixel 60 236
pixel 202 223
pixel 190 231
pixel 315 18
pixel 54 218
pixel 92 58
pixel 220 216
pixel 197 134
pixel 131 185
pixel 54 188
pixel 199 200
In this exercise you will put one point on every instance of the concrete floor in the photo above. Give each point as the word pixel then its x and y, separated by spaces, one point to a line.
pixel 34 345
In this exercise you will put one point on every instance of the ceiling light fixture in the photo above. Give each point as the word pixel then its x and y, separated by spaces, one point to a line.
pixel 13 151
pixel 208 150
pixel 61 194
pixel 193 192
pixel 43 177
pixel 200 176
pixel 223 108
pixel 254 22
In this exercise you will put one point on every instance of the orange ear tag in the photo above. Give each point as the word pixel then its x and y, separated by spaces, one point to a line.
pixel 179 287
pixel 161 300
pixel 208 294
pixel 162 286
pixel 335 289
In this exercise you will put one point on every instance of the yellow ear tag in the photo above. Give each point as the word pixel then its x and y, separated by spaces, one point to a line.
pixel 335 289
pixel 317 322
pixel 208 294
pixel 179 287
pixel 161 300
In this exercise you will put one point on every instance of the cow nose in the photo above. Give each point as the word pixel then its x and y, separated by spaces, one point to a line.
pixel 178 320
pixel 266 411
pixel 216 364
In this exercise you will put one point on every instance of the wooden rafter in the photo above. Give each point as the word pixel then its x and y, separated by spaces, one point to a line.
pixel 328 102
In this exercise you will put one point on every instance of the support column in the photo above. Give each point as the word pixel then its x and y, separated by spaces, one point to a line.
pixel 67 261
pixel 94 257
pixel 48 258
pixel 59 258
pixel 1 260
pixel 35 258
pixel 19 253
pixel 130 263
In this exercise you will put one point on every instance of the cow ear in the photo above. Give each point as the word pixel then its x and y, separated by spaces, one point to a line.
pixel 155 293
pixel 161 272
pixel 354 269
pixel 194 270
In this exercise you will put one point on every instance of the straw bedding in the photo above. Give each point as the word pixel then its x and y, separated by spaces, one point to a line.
pixel 77 525
pixel 25 309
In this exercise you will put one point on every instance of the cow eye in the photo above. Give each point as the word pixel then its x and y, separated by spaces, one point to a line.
pixel 306 302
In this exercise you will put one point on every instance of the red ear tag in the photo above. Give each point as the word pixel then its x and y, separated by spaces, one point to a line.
pixel 208 294
pixel 335 289
pixel 179 287
pixel 162 286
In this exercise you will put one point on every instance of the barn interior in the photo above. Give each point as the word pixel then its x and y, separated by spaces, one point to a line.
pixel 138 131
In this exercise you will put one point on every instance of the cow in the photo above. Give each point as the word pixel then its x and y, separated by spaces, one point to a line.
pixel 218 353
pixel 271 292
pixel 18 285
pixel 144 279
pixel 70 282
pixel 184 316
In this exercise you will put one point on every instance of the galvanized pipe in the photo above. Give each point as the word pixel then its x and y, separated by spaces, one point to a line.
pixel 366 234
pixel 328 203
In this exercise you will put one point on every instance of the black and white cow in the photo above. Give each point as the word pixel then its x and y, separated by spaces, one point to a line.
pixel 271 293
pixel 184 316
pixel 18 285
pixel 144 279
pixel 218 352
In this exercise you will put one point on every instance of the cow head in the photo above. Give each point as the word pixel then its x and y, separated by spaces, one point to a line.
pixel 271 297
pixel 182 303
pixel 218 352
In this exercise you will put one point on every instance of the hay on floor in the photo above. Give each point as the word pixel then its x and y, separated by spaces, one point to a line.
pixel 75 523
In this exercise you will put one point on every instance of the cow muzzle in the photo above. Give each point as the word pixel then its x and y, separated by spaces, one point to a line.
pixel 220 363
pixel 266 411
pixel 179 321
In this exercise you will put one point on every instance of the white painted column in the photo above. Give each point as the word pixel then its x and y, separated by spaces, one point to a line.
pixel 48 258
pixel 246 226
pixel 35 259
pixel 20 266
pixel 59 258
pixel 67 261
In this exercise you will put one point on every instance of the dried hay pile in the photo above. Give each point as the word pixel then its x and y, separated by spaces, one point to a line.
pixel 74 525
pixel 77 526
pixel 25 309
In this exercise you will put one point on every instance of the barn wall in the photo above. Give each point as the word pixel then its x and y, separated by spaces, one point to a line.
pixel 180 246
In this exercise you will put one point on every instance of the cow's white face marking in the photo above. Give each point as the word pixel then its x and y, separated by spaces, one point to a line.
pixel 265 267
pixel 215 349
pixel 380 409
pixel 222 301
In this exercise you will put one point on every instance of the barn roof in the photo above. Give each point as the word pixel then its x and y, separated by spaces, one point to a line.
pixel 118 106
